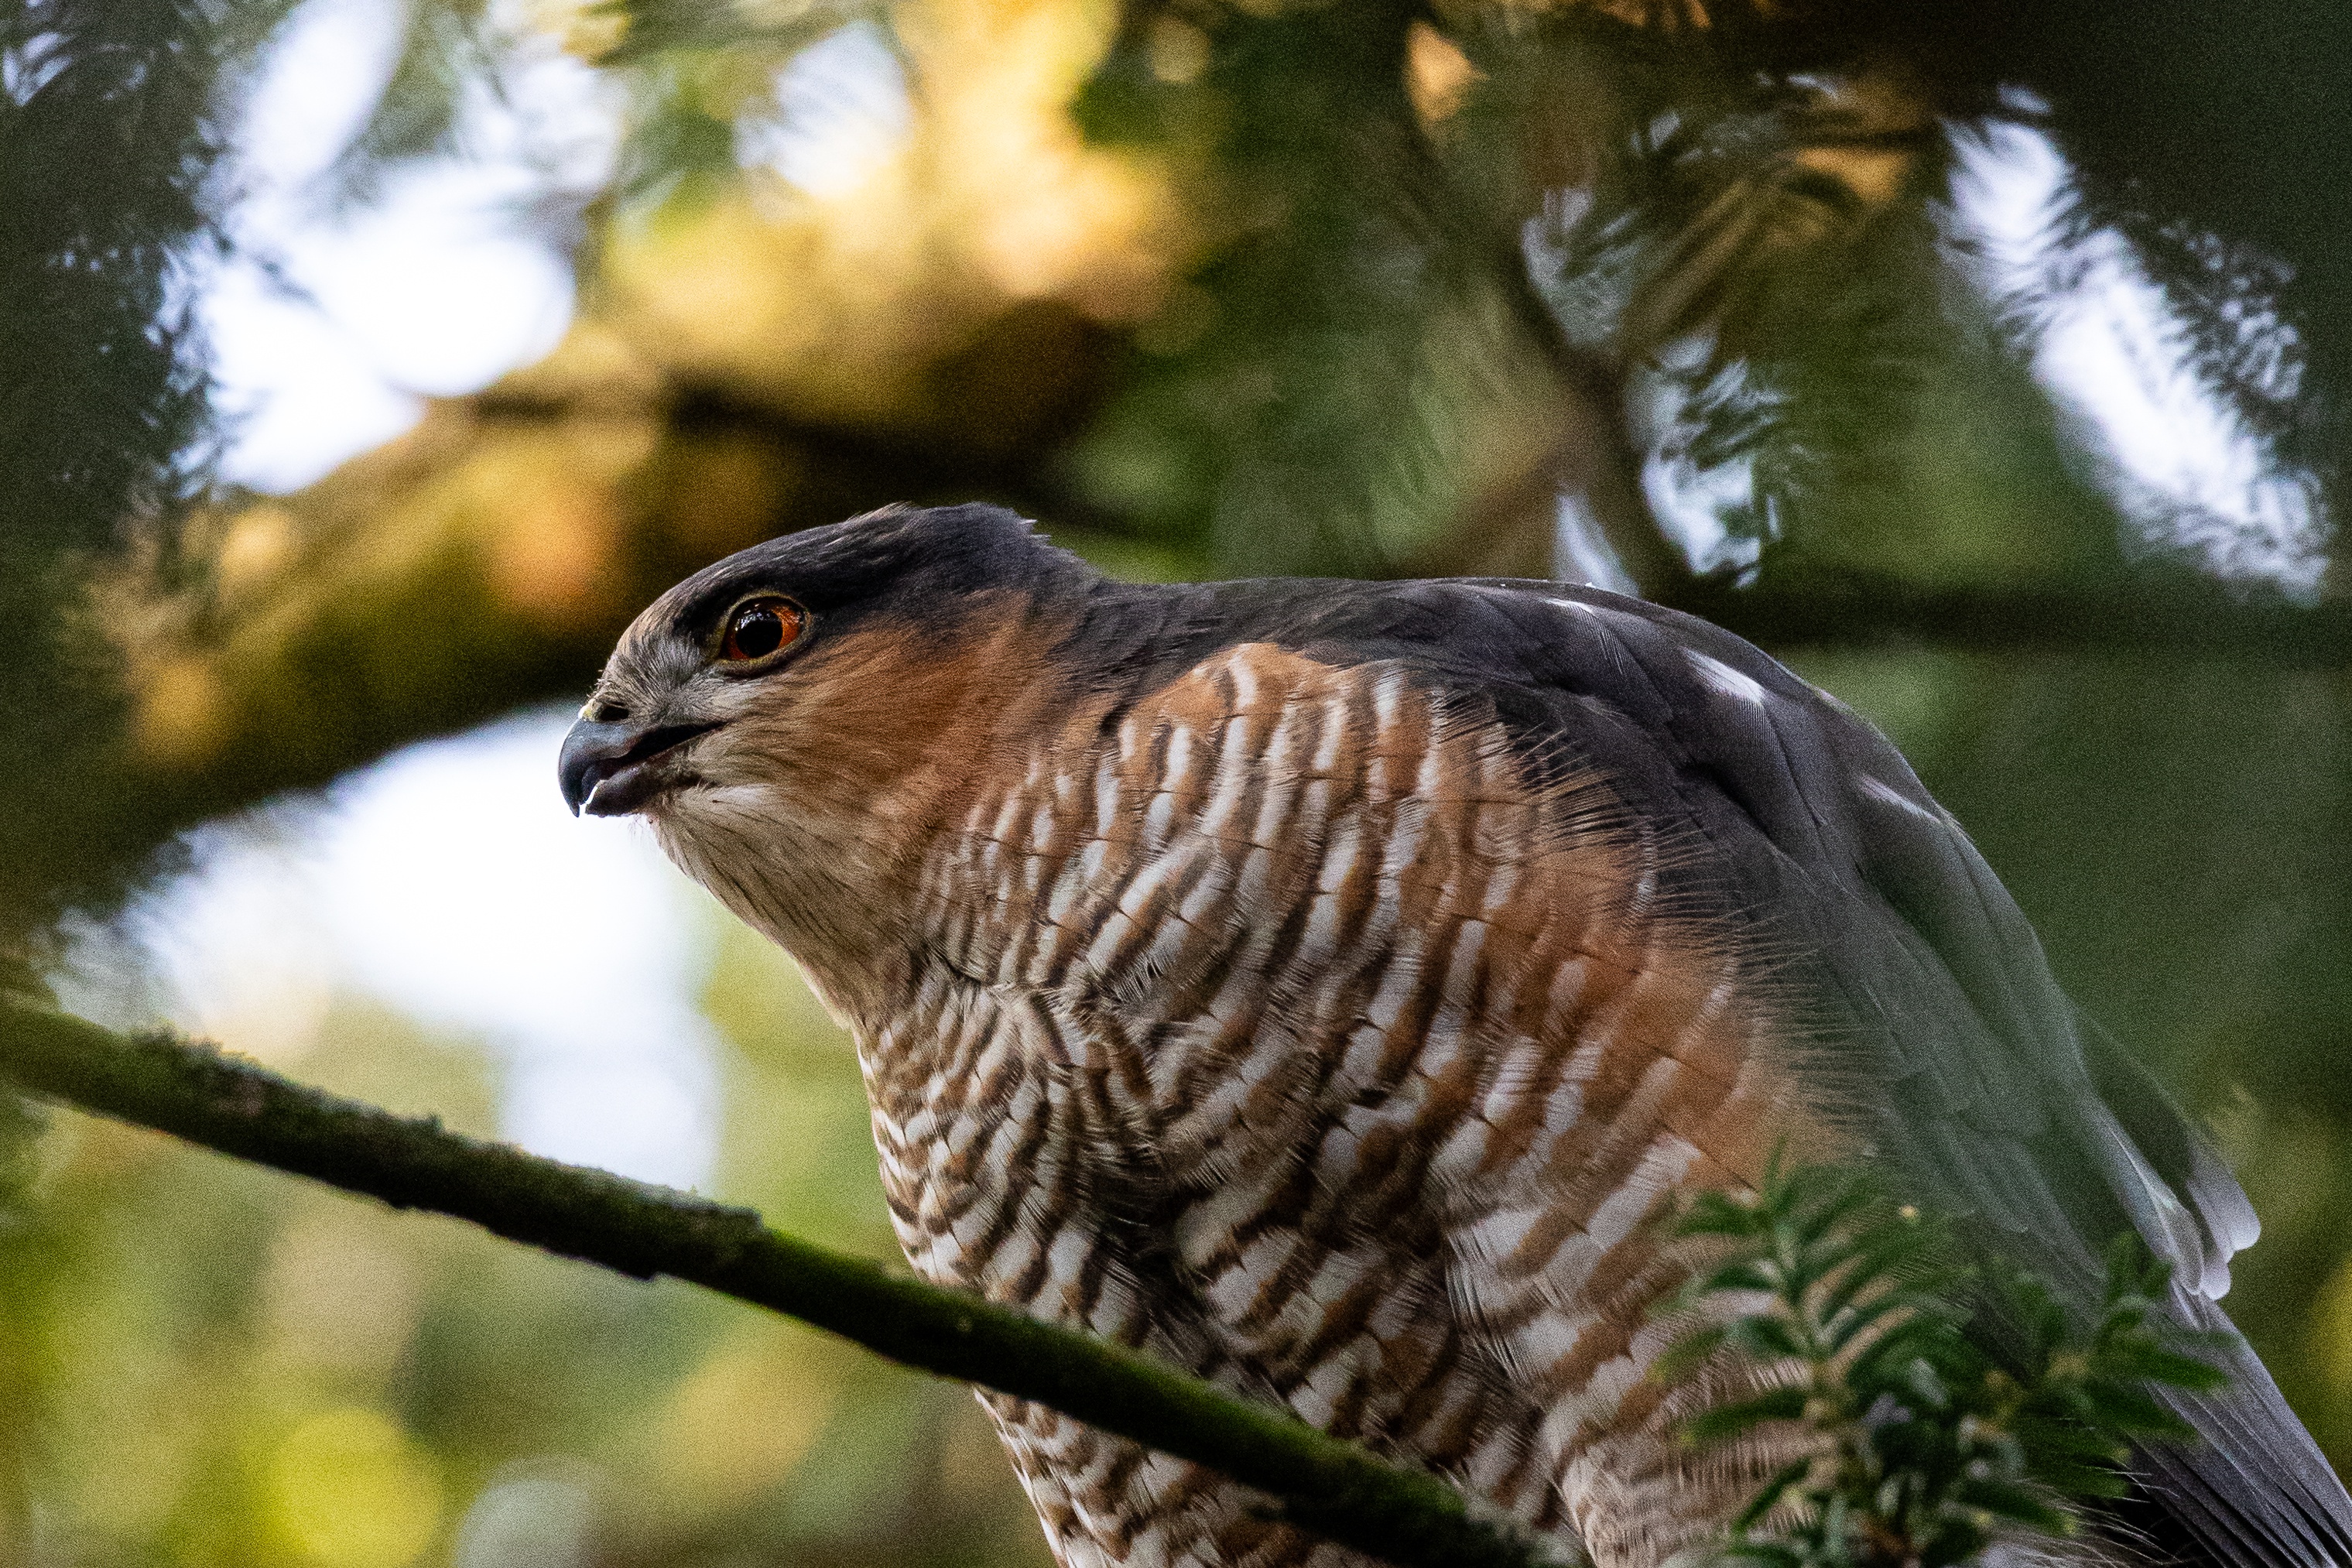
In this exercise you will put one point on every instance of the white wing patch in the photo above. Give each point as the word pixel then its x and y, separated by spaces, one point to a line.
pixel 1879 789
pixel 1723 679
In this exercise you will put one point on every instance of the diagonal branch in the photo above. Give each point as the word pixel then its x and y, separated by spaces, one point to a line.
pixel 1316 1481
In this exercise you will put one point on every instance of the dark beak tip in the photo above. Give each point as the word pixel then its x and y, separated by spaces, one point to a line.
pixel 610 770
pixel 586 749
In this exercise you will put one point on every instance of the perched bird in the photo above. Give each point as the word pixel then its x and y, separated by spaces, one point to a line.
pixel 1329 987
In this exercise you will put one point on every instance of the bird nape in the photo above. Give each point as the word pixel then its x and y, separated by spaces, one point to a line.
pixel 1336 989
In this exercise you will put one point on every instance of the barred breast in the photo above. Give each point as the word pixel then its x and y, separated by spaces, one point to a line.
pixel 1288 1024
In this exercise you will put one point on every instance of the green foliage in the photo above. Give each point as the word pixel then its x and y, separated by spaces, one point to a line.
pixel 104 144
pixel 1776 259
pixel 445 46
pixel 186 1332
pixel 21 1125
pixel 647 26
pixel 1352 326
pixel 1305 403
pixel 106 139
pixel 1925 1443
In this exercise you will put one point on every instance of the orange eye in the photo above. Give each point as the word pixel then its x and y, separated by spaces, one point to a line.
pixel 760 626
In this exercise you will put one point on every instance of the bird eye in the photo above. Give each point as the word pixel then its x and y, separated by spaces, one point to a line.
pixel 760 626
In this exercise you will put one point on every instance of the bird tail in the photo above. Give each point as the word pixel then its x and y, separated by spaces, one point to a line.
pixel 2253 1490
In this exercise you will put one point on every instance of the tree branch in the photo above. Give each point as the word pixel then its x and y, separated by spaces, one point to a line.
pixel 1316 1481
pixel 2186 617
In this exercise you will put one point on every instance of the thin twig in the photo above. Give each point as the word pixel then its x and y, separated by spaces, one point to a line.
pixel 1316 1481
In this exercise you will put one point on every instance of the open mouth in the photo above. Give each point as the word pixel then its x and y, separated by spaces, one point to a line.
pixel 624 781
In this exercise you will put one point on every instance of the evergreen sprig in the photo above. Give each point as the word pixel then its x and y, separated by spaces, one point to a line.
pixel 1924 1444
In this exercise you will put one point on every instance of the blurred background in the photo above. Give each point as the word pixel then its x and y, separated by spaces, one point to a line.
pixel 365 364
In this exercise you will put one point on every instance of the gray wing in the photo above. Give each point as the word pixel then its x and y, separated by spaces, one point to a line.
pixel 1936 1019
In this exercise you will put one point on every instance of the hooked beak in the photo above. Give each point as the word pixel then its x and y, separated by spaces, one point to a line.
pixel 610 770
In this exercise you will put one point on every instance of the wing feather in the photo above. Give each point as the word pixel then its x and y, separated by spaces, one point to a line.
pixel 1936 1015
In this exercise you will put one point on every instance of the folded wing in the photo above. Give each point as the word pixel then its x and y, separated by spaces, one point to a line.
pixel 1933 1021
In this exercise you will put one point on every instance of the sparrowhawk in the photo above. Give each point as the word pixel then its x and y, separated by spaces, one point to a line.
pixel 1328 987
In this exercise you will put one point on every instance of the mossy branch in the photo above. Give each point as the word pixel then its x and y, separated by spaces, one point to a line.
pixel 1316 1481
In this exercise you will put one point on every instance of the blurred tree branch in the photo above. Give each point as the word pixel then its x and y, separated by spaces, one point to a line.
pixel 488 561
pixel 1316 325
pixel 1315 1481
pixel 2192 616
pixel 482 563
pixel 1331 199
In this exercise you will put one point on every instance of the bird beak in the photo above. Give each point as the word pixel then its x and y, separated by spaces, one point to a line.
pixel 610 770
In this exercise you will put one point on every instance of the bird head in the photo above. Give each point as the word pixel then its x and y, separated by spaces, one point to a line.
pixel 792 718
